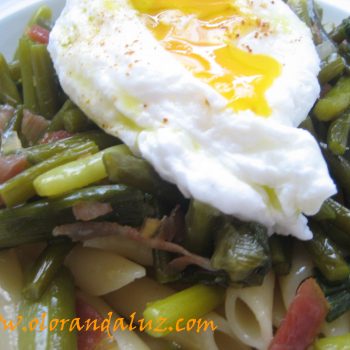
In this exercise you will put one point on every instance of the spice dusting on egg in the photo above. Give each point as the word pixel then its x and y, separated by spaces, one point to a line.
pixel 202 35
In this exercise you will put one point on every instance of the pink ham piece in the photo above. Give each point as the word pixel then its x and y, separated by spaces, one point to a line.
pixel 38 34
pixel 86 211
pixel 55 136
pixel 303 320
pixel 89 339
pixel 12 165
pixel 33 126
pixel 6 112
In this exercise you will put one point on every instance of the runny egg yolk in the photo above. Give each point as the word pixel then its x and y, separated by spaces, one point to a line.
pixel 201 34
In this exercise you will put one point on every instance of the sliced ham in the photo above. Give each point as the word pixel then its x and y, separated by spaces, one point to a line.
pixel 172 227
pixel 12 165
pixel 38 34
pixel 33 126
pixel 88 339
pixel 81 231
pixel 6 112
pixel 303 320
pixel 55 136
pixel 86 211
pixel 182 262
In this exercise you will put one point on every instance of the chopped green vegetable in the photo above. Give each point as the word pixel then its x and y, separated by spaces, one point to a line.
pixel 41 17
pixel 124 168
pixel 8 90
pixel 340 169
pixel 243 252
pixel 340 237
pixel 281 254
pixel 38 153
pixel 327 256
pixel 331 68
pixel 57 303
pixel 27 76
pixel 164 273
pixel 342 31
pixel 215 278
pixel 335 102
pixel 45 81
pixel 326 212
pixel 73 175
pixel 339 304
pixel 35 221
pixel 21 187
pixel 344 50
pixel 340 342
pixel 201 220
pixel 331 288
pixel 74 120
pixel 10 141
pixel 342 214
pixel 57 122
pixel 45 268
pixel 338 134
pixel 191 303
pixel 15 71
pixel 307 124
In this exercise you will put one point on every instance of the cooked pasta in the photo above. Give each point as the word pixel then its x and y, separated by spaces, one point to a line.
pixel 124 340
pixel 337 327
pixel 129 299
pixel 279 309
pixel 124 247
pixel 249 313
pixel 99 272
pixel 223 335
pixel 302 267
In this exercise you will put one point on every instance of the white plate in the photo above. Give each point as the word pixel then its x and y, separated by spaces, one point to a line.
pixel 14 14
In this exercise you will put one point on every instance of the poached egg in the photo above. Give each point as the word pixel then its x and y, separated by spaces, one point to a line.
pixel 210 92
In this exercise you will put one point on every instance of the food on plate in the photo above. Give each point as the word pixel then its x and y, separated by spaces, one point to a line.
pixel 154 177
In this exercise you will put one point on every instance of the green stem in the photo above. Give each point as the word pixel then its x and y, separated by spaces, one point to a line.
pixel 21 187
pixel 57 303
pixel 191 303
pixel 45 269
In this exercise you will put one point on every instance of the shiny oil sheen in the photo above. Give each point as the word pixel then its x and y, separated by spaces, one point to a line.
pixel 202 35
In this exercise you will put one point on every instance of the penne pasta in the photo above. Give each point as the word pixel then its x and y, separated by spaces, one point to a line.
pixel 223 335
pixel 123 246
pixel 337 327
pixel 123 339
pixel 98 272
pixel 302 267
pixel 224 342
pixel 249 313
pixel 279 309
pixel 153 343
pixel 129 299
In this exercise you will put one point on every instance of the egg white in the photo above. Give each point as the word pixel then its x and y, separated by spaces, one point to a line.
pixel 114 69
